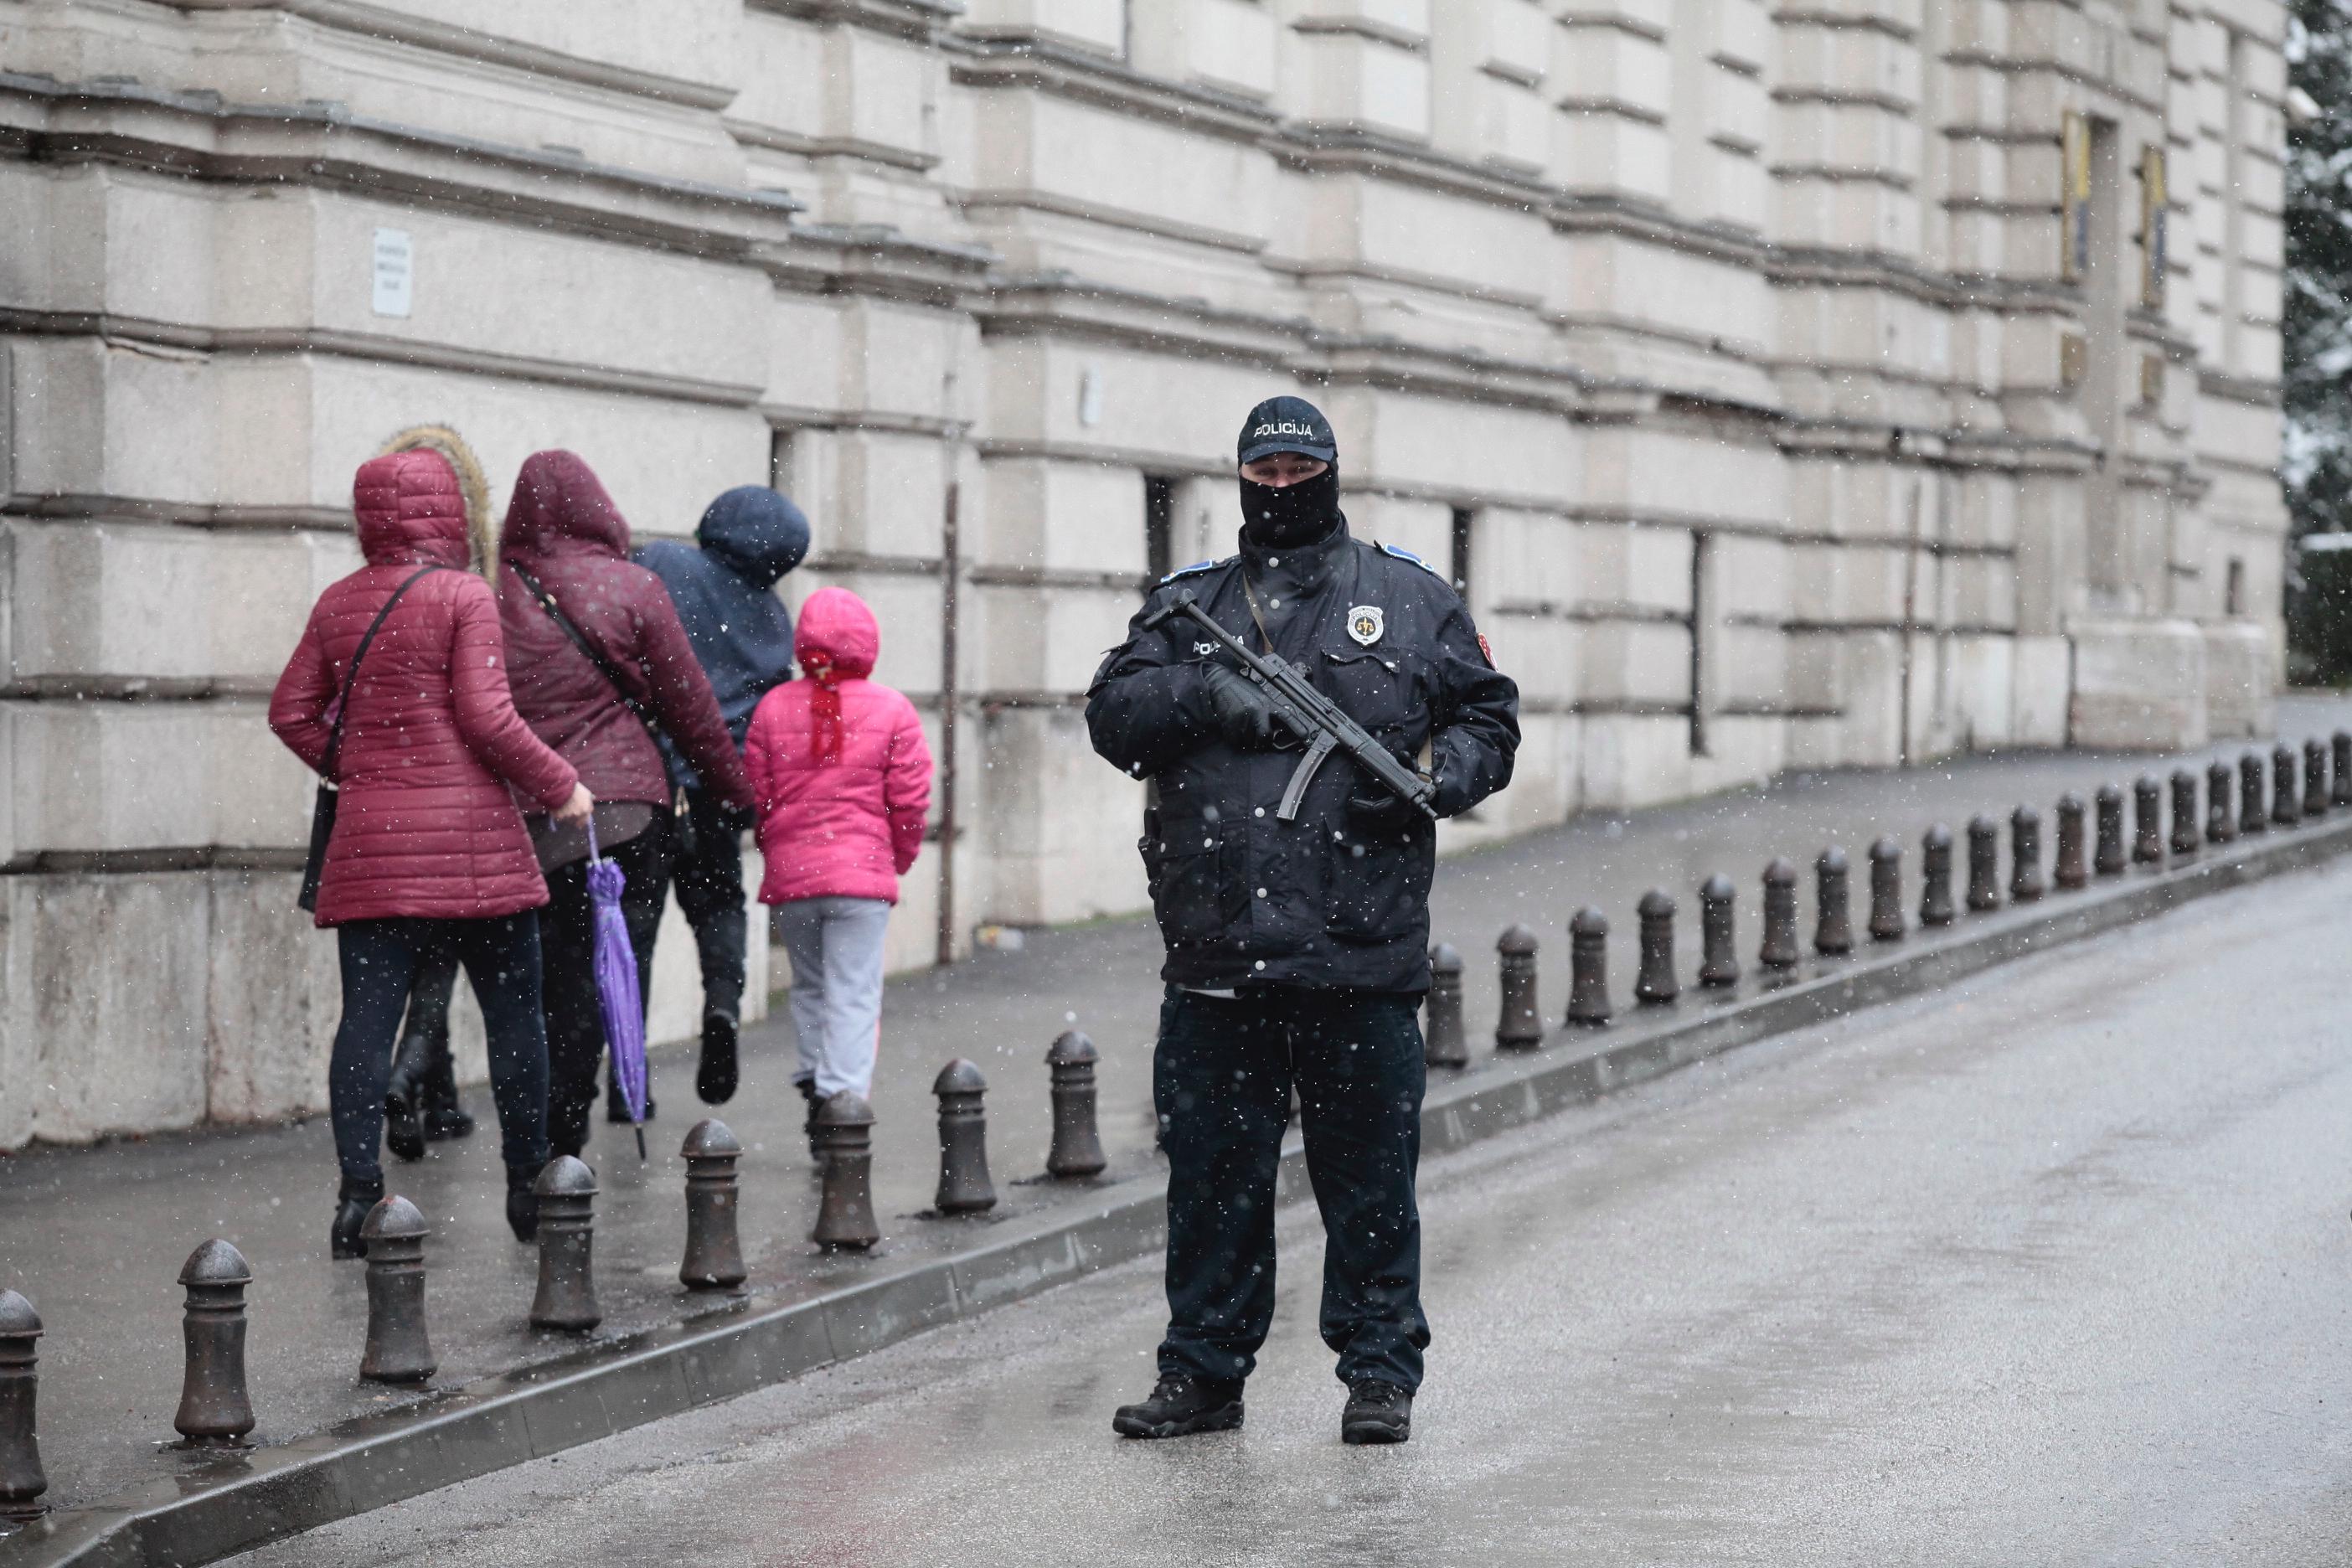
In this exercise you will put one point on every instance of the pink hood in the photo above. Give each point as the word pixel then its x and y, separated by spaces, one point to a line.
pixel 836 628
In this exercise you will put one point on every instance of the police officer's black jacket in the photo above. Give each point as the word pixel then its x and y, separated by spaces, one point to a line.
pixel 1243 899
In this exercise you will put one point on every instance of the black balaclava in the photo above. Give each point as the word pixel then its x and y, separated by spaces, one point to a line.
pixel 1287 516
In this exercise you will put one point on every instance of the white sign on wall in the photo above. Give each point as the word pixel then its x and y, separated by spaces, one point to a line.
pixel 394 271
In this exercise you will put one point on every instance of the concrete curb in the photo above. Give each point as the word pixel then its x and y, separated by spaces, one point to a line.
pixel 268 1494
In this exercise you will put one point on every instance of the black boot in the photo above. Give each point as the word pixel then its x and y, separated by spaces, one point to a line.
pixel 1180 1406
pixel 444 1116
pixel 404 1126
pixel 807 1085
pixel 1377 1412
pixel 522 1204
pixel 716 1075
pixel 616 1104
pixel 353 1202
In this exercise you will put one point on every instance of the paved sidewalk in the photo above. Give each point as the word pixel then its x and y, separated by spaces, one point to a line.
pixel 96 1236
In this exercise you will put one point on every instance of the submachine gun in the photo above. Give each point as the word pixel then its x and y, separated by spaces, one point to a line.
pixel 1314 717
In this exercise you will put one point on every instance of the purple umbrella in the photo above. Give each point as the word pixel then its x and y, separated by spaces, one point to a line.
pixel 616 984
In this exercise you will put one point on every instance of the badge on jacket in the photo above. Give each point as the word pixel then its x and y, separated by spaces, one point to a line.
pixel 1365 623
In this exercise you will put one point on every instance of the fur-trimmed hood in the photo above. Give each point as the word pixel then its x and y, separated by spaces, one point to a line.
pixel 473 487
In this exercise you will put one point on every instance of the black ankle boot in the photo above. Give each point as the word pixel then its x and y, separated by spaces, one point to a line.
pixel 522 1204
pixel 1180 1406
pixel 444 1116
pixel 353 1202
pixel 716 1075
pixel 807 1085
pixel 403 1131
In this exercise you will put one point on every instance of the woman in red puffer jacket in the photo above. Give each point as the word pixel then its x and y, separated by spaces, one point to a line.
pixel 564 538
pixel 844 778
pixel 429 853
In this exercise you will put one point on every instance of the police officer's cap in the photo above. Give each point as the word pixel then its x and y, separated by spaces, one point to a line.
pixel 1287 425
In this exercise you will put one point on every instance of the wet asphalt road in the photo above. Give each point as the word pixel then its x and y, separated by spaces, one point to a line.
pixel 2050 1269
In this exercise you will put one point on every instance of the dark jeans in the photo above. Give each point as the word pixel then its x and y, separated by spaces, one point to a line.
pixel 575 1019
pixel 1221 1079
pixel 710 894
pixel 379 963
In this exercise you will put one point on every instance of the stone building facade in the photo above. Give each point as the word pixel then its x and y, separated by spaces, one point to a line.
pixel 1788 383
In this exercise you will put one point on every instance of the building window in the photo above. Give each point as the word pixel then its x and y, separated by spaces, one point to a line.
pixel 2234 589
pixel 1159 526
pixel 1465 523
pixel 780 461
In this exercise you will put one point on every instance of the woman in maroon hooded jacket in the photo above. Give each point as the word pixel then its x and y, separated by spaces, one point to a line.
pixel 597 660
pixel 429 853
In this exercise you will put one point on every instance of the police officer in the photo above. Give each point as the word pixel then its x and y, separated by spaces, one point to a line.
pixel 1297 951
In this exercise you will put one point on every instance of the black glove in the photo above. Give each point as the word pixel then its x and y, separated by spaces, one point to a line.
pixel 1378 813
pixel 1245 715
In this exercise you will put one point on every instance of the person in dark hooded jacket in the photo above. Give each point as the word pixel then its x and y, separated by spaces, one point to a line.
pixel 599 664
pixel 742 636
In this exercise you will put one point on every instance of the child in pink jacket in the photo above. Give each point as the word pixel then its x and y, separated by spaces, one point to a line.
pixel 842 778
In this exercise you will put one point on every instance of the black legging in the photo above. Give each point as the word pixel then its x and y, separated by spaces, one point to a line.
pixel 575 1019
pixel 379 960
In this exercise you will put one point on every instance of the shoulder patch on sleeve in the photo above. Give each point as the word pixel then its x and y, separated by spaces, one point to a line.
pixel 1409 555
pixel 1196 566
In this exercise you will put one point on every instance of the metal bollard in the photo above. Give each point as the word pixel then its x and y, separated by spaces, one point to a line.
pixel 2147 821
pixel 2339 793
pixel 1442 1045
pixel 1520 1028
pixel 2185 836
pixel 2220 822
pixel 1719 957
pixel 2252 817
pixel 567 1237
pixel 1832 904
pixel 1588 968
pixel 22 1481
pixel 1656 983
pixel 2286 802
pixel 1780 949
pixel 714 1247
pixel 1077 1148
pixel 1984 863
pixel 844 1138
pixel 2314 778
pixel 214 1408
pixel 964 1187
pixel 2025 883
pixel 398 1348
pixel 2073 862
pixel 1886 922
pixel 2108 861
pixel 1936 877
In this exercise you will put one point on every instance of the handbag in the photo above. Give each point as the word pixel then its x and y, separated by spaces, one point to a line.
pixel 322 809
pixel 681 836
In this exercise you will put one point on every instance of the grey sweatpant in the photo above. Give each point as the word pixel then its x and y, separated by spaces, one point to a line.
pixel 836 946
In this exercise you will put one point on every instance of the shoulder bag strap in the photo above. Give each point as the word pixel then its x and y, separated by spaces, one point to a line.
pixel 334 756
pixel 604 666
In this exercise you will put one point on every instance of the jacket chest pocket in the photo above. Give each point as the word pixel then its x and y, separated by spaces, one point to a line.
pixel 1380 690
pixel 1195 879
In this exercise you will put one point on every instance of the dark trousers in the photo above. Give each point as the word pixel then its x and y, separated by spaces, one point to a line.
pixel 380 964
pixel 575 1019
pixel 710 895
pixel 1221 1079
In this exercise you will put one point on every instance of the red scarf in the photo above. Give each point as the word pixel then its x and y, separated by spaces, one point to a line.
pixel 824 715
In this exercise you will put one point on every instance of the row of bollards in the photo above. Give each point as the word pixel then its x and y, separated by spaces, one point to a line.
pixel 216 1410
pixel 2091 842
